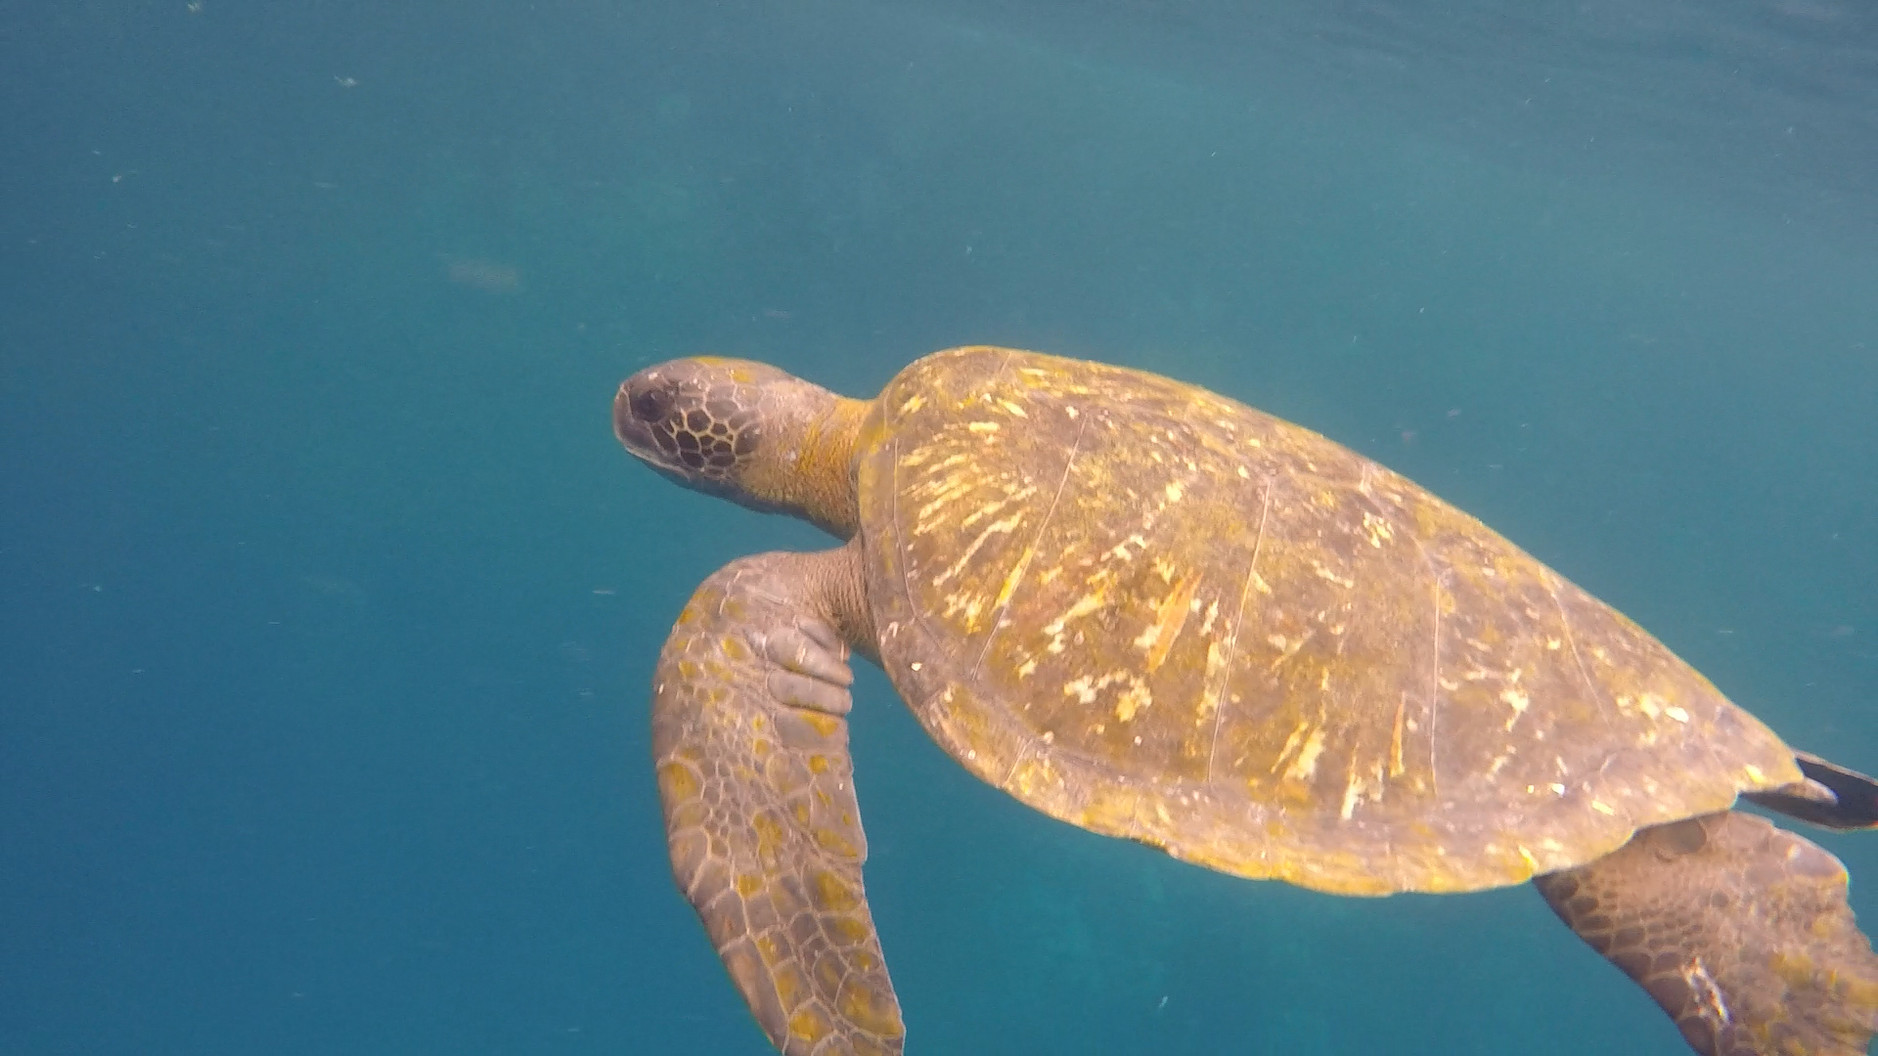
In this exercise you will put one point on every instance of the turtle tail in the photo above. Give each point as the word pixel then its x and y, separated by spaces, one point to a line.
pixel 1738 929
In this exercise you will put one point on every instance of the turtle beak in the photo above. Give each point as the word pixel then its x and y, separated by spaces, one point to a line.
pixel 641 409
pixel 639 396
pixel 626 429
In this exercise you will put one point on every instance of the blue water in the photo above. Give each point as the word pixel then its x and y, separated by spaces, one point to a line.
pixel 330 603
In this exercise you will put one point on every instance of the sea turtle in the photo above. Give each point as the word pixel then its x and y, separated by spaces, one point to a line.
pixel 1153 612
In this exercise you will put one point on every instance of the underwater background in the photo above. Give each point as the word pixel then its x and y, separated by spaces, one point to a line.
pixel 330 603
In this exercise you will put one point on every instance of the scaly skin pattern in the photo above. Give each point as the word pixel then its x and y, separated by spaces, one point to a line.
pixel 1156 613
pixel 1739 930
pixel 761 820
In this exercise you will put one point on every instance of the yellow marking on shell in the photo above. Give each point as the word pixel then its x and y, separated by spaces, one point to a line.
pixel 1169 617
pixel 994 528
pixel 1378 528
pixel 1650 704
pixel 1132 700
pixel 923 521
pixel 1120 549
pixel 1676 713
pixel 1212 613
pixel 1083 689
pixel 1013 408
pixel 1033 775
pixel 1395 738
pixel 1091 685
pixel 982 428
pixel 1755 774
pixel 1214 685
pixel 1174 491
pixel 1515 698
pixel 1553 644
pixel 940 484
pixel 1325 573
pixel 994 507
pixel 1287 647
pixel 1305 765
pixel 913 403
pixel 1027 668
pixel 1083 606
pixel 1351 793
pixel 1603 808
pixel 1292 741
pixel 1015 577
pixel 971 603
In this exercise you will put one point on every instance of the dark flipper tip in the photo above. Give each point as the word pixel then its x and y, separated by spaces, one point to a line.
pixel 1832 796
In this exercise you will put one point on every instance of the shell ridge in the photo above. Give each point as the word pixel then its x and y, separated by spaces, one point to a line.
pixel 998 618
pixel 899 543
pixel 1578 660
pixel 1434 679
pixel 1218 685
pixel 1437 579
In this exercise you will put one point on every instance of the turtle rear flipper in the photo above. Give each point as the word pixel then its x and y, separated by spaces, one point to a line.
pixel 751 742
pixel 1738 929
pixel 1831 796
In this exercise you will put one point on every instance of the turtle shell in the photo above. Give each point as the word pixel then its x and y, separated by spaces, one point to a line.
pixel 1154 612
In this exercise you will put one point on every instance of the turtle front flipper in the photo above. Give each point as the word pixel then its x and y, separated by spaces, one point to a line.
pixel 751 742
pixel 1738 929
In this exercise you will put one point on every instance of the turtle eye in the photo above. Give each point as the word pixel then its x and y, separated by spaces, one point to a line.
pixel 651 404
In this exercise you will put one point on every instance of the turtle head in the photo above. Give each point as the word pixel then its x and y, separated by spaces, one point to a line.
pixel 747 432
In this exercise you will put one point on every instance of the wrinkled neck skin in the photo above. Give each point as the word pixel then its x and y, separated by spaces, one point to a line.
pixel 808 464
